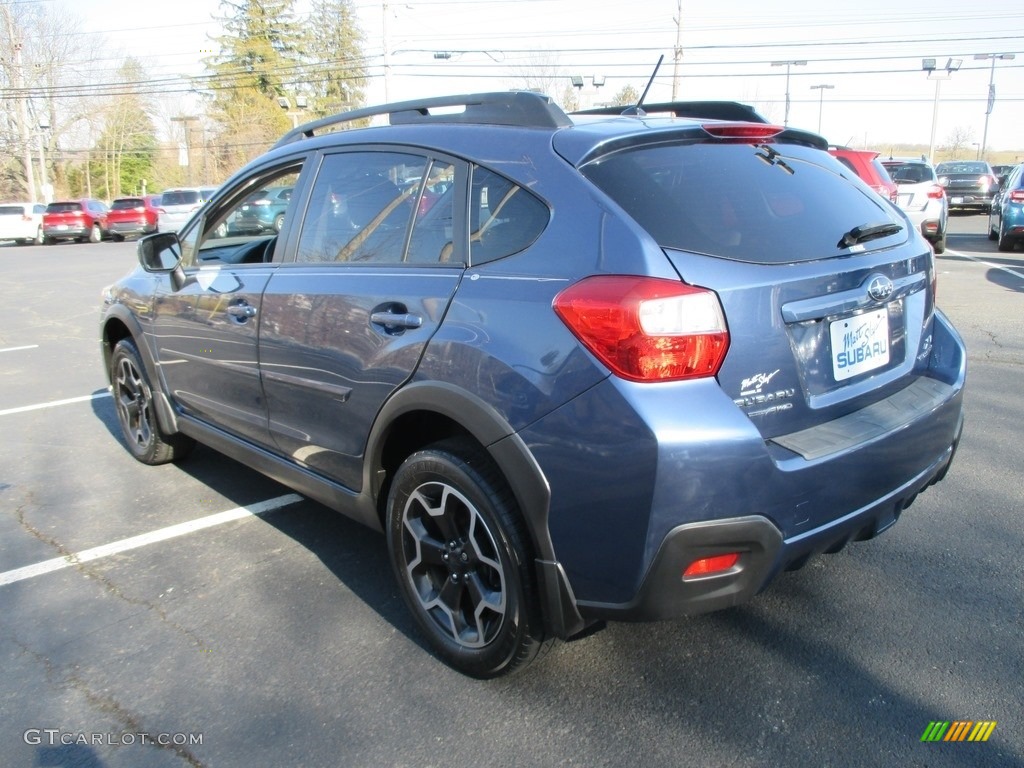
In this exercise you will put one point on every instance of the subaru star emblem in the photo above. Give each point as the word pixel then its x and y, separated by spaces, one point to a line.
pixel 880 288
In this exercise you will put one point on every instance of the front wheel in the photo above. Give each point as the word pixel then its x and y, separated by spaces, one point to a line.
pixel 136 412
pixel 463 560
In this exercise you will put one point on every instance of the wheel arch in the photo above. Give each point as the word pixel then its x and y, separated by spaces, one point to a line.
pixel 426 412
pixel 119 325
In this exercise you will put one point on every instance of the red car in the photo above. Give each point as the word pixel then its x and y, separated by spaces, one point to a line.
pixel 133 216
pixel 865 163
pixel 81 220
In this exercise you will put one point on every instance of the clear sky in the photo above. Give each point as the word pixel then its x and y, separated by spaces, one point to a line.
pixel 870 52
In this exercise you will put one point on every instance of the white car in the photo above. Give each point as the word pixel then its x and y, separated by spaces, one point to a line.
pixel 22 222
pixel 178 205
pixel 921 197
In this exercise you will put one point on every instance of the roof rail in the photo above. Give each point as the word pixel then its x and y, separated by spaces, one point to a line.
pixel 515 108
pixel 712 110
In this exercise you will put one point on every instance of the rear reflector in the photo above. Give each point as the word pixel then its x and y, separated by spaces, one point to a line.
pixel 707 566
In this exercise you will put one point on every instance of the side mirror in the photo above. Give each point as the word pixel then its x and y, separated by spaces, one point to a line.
pixel 161 253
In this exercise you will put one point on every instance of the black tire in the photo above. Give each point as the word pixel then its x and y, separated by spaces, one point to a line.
pixel 992 234
pixel 136 412
pixel 48 240
pixel 463 560
pixel 95 234
pixel 1005 243
pixel 39 239
pixel 939 244
pixel 278 222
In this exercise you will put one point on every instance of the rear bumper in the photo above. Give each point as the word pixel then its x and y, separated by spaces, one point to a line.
pixel 665 594
pixel 67 233
pixel 132 228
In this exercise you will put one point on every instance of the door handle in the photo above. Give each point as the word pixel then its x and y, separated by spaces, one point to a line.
pixel 242 311
pixel 396 320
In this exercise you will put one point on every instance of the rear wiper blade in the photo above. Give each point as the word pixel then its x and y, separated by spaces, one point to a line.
pixel 868 232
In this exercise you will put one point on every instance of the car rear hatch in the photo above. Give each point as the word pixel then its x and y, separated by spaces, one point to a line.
pixel 826 290
pixel 64 215
pixel 127 210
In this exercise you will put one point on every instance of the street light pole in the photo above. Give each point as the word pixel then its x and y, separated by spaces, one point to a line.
pixel 187 120
pixel 787 65
pixel 928 65
pixel 991 92
pixel 821 99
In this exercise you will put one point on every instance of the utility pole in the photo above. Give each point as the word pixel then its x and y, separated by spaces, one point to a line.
pixel 787 65
pixel 991 92
pixel 18 86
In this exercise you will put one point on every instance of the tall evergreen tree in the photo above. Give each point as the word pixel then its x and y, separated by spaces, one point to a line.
pixel 258 63
pixel 337 71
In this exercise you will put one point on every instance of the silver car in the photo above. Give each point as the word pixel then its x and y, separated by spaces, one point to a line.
pixel 921 197
pixel 178 205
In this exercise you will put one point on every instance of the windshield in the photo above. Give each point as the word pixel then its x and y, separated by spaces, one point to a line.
pixel 765 204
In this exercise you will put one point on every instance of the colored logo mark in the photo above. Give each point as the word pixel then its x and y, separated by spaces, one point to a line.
pixel 958 730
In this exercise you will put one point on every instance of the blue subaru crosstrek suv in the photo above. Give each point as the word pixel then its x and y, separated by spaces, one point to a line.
pixel 576 368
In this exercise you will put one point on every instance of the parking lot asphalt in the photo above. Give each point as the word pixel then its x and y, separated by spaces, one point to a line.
pixel 202 615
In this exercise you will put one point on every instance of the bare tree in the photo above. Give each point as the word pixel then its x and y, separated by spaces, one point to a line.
pixel 958 141
pixel 42 60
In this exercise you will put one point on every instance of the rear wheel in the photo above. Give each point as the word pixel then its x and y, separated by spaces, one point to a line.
pixel 939 244
pixel 463 560
pixel 136 413
pixel 278 222
pixel 1006 242
pixel 39 239
pixel 95 234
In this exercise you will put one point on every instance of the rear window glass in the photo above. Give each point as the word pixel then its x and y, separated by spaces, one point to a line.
pixel 763 204
pixel 63 207
pixel 126 204
pixel 180 197
pixel 11 210
pixel 962 168
pixel 910 173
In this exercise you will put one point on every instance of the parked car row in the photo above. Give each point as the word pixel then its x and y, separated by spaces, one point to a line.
pixel 88 219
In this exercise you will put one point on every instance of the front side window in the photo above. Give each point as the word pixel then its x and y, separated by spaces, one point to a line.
pixel 243 227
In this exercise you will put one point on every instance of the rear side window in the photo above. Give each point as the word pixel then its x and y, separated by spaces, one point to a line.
pixel 11 210
pixel 504 217
pixel 766 204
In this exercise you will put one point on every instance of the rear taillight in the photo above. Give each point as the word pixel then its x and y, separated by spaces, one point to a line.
pixel 1017 196
pixel 140 209
pixel 647 329
pixel 935 192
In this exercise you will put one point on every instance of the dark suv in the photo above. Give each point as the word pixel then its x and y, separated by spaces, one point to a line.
pixel 970 184
pixel 577 368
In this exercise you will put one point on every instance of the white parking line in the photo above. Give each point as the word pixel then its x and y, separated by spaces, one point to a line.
pixel 55 403
pixel 987 263
pixel 57 563
pixel 15 349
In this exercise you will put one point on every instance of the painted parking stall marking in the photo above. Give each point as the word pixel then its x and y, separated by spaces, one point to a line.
pixel 134 542
pixel 55 403
pixel 18 349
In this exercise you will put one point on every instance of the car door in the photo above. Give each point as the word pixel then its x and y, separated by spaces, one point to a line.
pixel 206 323
pixel 345 321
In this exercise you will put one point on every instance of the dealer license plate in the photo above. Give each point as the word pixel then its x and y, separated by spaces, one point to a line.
pixel 859 343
